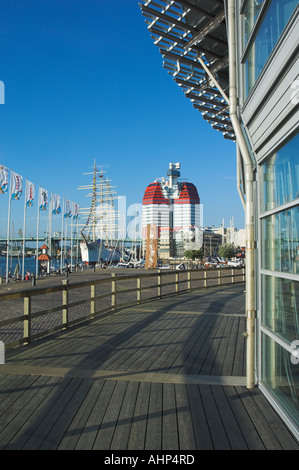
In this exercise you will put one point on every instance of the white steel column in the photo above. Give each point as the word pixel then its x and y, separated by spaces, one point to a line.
pixel 249 210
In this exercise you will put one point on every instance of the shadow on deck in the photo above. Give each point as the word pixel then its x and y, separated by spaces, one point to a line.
pixel 166 375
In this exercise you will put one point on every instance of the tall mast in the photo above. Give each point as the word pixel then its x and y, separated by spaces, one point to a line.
pixel 101 193
pixel 95 202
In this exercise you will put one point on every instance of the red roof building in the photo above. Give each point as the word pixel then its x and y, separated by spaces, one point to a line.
pixel 44 254
pixel 174 207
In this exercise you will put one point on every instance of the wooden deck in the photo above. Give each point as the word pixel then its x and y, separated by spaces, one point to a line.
pixel 165 375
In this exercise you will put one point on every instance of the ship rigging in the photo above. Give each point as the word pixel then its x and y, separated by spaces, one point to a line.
pixel 100 232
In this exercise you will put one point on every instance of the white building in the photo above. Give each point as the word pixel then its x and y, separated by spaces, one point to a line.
pixel 174 207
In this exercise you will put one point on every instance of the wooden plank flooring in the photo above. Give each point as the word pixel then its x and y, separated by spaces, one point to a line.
pixel 165 375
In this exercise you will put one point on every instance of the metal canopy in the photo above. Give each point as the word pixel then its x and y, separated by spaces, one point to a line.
pixel 191 35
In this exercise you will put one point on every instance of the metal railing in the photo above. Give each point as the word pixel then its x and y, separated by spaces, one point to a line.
pixel 30 314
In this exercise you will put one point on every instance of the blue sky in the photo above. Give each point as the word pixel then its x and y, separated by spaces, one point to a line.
pixel 84 81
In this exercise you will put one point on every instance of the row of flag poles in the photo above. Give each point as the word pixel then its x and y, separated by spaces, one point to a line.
pixel 68 209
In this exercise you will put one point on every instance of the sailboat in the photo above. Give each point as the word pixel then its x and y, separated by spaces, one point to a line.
pixel 100 231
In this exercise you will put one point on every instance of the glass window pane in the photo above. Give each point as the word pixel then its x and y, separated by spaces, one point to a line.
pixel 280 373
pixel 280 178
pixel 280 307
pixel 271 27
pixel 280 241
pixel 250 14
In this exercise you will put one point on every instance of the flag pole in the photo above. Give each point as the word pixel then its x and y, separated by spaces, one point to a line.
pixel 50 227
pixel 8 228
pixel 72 218
pixel 61 248
pixel 24 230
pixel 37 228
pixel 77 247
pixel 65 241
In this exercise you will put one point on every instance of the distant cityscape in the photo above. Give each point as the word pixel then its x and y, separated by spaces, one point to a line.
pixel 170 206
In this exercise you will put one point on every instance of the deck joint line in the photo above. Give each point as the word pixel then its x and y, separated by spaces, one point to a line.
pixel 122 375
pixel 188 312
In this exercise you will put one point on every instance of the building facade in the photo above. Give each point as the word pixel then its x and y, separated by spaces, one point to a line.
pixel 266 75
pixel 174 207
pixel 237 61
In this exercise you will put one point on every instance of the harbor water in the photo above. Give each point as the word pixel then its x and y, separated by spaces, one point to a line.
pixel 29 265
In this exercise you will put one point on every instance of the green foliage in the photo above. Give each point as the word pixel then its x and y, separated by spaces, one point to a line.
pixel 194 254
pixel 227 250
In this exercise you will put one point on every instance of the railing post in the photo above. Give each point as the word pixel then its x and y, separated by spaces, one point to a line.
pixel 27 319
pixel 232 273
pixel 205 278
pixel 65 303
pixel 177 283
pixel 92 299
pixel 159 284
pixel 189 280
pixel 2 352
pixel 219 277
pixel 113 291
pixel 138 289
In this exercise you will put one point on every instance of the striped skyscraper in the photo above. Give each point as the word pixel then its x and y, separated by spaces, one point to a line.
pixel 174 207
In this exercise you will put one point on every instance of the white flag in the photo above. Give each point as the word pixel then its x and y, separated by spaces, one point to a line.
pixel 30 193
pixel 56 208
pixel 3 179
pixel 17 185
pixel 76 211
pixel 43 199
pixel 67 209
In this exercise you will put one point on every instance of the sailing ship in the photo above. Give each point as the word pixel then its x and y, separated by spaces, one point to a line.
pixel 99 242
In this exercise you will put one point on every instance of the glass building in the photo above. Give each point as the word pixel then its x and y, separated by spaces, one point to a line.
pixel 237 62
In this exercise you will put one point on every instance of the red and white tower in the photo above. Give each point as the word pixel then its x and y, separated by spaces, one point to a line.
pixel 174 207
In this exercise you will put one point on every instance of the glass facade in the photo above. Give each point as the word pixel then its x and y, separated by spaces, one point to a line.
pixel 251 11
pixel 279 278
pixel 268 29
pixel 281 374
pixel 281 176
pixel 280 309
pixel 280 241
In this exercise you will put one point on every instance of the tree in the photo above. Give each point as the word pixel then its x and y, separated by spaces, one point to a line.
pixel 227 250
pixel 194 254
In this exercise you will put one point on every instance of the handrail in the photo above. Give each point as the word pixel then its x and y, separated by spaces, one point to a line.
pixel 111 287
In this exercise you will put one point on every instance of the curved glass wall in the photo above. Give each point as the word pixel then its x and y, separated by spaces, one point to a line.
pixel 279 258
